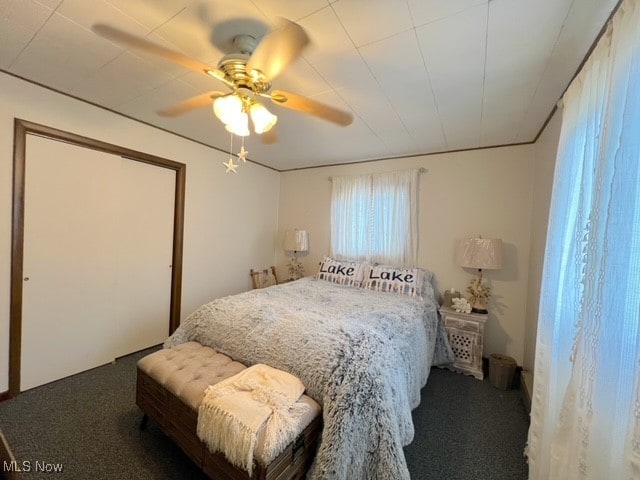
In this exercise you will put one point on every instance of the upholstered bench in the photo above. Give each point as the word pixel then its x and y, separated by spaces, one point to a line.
pixel 170 386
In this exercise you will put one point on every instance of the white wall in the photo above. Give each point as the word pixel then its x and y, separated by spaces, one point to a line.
pixel 544 165
pixel 230 220
pixel 487 192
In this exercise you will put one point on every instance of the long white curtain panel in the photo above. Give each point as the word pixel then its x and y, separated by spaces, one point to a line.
pixel 586 402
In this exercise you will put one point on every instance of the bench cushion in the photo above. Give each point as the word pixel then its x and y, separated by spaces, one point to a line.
pixel 188 369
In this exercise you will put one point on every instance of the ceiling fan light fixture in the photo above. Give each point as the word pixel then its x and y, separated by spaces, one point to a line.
pixel 239 125
pixel 227 108
pixel 262 118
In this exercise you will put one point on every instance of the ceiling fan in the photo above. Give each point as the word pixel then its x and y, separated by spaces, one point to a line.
pixel 247 73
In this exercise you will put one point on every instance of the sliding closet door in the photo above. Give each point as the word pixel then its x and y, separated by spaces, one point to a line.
pixel 91 229
pixel 145 245
pixel 69 248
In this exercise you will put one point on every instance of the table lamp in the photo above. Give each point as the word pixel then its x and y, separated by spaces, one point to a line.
pixel 483 254
pixel 296 241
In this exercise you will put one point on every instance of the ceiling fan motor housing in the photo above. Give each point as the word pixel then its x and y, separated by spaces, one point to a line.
pixel 245 43
pixel 234 66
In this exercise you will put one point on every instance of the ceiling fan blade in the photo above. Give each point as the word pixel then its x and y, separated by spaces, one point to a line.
pixel 278 49
pixel 203 100
pixel 270 136
pixel 312 107
pixel 139 43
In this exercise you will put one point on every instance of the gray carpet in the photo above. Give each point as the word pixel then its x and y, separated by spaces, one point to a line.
pixel 88 423
pixel 467 430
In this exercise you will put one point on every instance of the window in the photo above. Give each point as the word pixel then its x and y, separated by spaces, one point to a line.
pixel 374 217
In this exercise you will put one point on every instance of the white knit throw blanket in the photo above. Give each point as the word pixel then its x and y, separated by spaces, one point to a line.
pixel 233 410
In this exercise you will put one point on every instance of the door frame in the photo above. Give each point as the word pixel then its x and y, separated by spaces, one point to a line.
pixel 22 128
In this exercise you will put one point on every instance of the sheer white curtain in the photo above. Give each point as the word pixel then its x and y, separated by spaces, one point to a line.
pixel 586 402
pixel 375 217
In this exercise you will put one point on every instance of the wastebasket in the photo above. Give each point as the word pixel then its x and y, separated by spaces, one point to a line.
pixel 501 371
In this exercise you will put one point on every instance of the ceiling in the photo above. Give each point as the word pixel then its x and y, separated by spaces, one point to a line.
pixel 419 76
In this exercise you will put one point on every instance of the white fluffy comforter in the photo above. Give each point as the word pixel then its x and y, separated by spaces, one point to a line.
pixel 363 355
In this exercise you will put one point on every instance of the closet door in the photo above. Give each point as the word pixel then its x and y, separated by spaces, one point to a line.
pixel 82 259
pixel 145 246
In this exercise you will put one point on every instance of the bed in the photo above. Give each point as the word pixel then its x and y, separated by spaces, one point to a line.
pixel 364 355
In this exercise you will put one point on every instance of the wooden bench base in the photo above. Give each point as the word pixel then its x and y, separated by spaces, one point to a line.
pixel 179 422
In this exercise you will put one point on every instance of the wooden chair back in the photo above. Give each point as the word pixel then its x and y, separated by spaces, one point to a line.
pixel 260 278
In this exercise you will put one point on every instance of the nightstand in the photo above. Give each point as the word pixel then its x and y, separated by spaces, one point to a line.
pixel 466 336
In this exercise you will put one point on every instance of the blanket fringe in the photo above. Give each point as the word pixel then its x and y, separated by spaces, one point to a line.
pixel 228 435
pixel 234 410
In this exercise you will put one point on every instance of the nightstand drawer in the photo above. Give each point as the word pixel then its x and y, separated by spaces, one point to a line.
pixel 461 324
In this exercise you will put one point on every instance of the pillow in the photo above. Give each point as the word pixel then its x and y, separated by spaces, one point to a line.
pixel 344 273
pixel 406 281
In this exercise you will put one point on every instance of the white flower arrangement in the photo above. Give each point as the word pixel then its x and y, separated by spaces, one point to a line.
pixel 461 305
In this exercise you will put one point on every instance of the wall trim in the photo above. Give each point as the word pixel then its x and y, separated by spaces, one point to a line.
pixel 22 128
pixel 413 155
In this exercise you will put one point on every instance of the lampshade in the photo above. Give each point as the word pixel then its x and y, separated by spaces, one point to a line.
pixel 484 253
pixel 230 110
pixel 296 240
pixel 227 108
pixel 239 125
pixel 262 118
